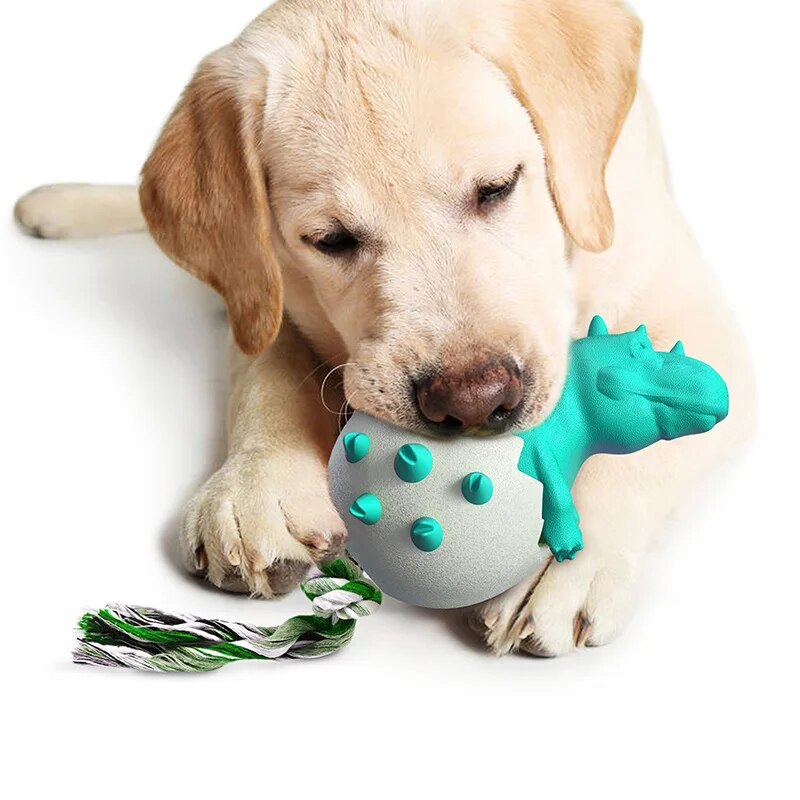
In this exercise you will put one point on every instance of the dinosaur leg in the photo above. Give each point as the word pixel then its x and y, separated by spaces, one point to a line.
pixel 562 533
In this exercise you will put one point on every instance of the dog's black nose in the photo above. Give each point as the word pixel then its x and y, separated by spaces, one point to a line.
pixel 483 396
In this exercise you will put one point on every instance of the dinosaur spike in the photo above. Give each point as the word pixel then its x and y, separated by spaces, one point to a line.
pixel 598 327
pixel 679 349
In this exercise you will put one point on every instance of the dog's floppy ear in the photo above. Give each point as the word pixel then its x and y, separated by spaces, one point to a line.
pixel 204 194
pixel 573 64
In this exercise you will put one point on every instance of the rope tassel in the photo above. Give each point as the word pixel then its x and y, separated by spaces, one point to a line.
pixel 147 639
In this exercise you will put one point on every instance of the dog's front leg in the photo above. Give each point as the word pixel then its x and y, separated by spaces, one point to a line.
pixel 584 601
pixel 265 517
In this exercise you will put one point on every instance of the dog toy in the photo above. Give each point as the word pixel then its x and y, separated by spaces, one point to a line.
pixel 450 523
pixel 445 523
pixel 150 640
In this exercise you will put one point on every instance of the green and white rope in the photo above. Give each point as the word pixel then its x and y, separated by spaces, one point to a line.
pixel 147 639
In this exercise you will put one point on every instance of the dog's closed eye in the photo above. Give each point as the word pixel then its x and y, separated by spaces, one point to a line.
pixel 338 242
pixel 492 191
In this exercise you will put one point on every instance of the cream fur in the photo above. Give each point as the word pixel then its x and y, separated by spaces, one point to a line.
pixel 380 115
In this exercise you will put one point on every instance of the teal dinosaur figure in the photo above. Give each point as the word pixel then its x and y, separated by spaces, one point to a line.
pixel 620 396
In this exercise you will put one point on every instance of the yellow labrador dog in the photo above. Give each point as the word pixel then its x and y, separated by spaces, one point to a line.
pixel 424 200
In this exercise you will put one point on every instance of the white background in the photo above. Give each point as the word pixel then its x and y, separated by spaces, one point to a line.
pixel 112 402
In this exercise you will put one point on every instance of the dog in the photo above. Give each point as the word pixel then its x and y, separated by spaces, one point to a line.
pixel 410 208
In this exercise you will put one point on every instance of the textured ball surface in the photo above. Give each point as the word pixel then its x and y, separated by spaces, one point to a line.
pixel 438 523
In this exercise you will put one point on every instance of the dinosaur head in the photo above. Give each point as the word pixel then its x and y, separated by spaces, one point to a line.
pixel 643 396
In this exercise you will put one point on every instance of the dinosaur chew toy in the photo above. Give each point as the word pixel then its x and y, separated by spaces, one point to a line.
pixel 443 522
pixel 446 523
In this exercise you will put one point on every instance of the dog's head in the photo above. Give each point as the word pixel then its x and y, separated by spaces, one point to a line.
pixel 405 180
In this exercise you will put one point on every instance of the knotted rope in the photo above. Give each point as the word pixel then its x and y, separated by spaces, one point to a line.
pixel 146 639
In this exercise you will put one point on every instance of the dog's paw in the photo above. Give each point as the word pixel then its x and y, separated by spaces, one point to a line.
pixel 581 603
pixel 258 525
pixel 79 210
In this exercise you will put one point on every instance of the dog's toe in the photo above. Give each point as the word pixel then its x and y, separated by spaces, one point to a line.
pixel 283 576
pixel 575 604
pixel 532 646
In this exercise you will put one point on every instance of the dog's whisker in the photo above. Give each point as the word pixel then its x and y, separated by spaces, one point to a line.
pixel 335 370
pixel 325 383
pixel 343 416
pixel 328 408
pixel 316 369
pixel 346 411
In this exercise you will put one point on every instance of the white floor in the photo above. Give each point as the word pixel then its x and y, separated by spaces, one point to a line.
pixel 112 400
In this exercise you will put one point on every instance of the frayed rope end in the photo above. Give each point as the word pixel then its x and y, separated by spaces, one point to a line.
pixel 148 639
